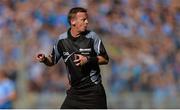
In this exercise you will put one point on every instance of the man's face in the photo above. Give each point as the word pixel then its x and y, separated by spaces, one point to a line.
pixel 80 22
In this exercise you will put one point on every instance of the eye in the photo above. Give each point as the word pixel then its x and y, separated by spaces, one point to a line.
pixel 83 19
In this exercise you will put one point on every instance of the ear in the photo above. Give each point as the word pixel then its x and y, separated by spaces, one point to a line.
pixel 73 22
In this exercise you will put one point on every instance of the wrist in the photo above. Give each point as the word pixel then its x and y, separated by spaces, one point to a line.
pixel 92 59
pixel 43 60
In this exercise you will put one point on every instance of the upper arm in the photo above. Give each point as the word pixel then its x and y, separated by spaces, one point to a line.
pixel 56 53
pixel 99 47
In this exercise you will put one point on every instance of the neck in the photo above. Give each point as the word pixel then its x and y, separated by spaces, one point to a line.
pixel 74 32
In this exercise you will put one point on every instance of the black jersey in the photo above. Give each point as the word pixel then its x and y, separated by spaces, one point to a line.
pixel 88 44
pixel 86 89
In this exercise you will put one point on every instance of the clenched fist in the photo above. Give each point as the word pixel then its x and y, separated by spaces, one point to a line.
pixel 40 57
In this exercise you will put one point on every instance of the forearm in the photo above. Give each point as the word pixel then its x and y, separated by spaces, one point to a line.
pixel 102 60
pixel 48 61
pixel 12 96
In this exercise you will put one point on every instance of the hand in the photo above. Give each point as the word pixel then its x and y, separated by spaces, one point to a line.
pixel 40 57
pixel 80 60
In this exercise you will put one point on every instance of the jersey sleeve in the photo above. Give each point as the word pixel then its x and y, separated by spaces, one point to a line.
pixel 56 53
pixel 99 47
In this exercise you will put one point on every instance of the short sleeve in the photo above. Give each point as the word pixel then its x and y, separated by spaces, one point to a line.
pixel 99 46
pixel 56 55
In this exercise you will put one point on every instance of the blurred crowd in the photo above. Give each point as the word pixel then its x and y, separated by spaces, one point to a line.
pixel 142 38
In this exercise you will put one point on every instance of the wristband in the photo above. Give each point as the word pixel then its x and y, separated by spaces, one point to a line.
pixel 92 59
pixel 43 60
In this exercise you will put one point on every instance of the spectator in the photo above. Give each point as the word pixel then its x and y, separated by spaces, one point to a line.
pixel 7 91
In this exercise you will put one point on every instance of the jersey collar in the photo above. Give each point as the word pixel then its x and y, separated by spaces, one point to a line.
pixel 75 38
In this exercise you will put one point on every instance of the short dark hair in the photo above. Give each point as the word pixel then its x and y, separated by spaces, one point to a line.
pixel 74 11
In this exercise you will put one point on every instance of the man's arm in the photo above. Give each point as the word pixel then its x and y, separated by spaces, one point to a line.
pixel 102 56
pixel 46 60
pixel 51 59
pixel 102 60
pixel 84 59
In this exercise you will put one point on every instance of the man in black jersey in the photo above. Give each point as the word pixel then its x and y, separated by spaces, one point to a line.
pixel 82 51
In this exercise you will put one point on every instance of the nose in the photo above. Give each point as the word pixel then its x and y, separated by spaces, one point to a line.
pixel 86 21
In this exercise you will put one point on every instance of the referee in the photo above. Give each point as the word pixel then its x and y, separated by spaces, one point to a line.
pixel 82 51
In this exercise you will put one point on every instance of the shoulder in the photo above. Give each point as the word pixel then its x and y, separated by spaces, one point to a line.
pixel 63 36
pixel 92 34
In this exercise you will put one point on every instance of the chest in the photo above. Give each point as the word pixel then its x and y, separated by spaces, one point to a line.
pixel 82 46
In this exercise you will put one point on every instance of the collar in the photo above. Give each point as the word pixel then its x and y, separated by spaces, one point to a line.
pixel 75 38
pixel 70 35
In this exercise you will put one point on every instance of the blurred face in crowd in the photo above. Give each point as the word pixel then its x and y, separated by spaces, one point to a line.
pixel 80 21
pixel 2 74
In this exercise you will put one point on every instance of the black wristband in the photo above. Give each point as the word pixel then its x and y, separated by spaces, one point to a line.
pixel 92 59
pixel 45 59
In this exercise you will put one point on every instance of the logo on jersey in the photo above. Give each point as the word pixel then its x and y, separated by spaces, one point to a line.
pixel 85 51
pixel 66 53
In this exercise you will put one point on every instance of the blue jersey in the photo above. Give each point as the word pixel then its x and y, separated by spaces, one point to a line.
pixel 7 87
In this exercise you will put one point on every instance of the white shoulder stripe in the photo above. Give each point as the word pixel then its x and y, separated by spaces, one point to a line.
pixel 99 46
pixel 63 36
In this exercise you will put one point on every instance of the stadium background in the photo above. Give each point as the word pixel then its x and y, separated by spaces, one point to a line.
pixel 142 38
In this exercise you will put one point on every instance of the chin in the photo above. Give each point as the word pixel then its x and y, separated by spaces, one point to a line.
pixel 83 30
